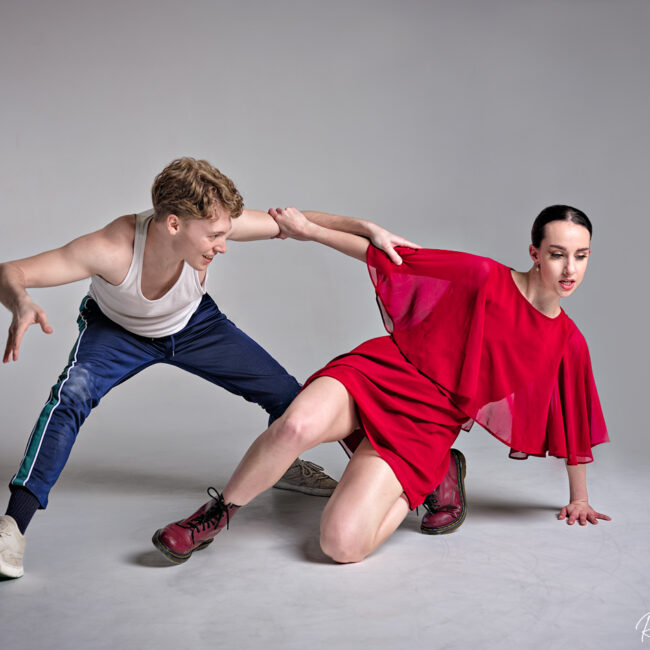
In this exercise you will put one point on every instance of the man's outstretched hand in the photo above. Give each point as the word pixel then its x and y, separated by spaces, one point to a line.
pixel 26 313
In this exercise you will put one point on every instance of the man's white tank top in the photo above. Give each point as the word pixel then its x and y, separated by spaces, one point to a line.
pixel 126 305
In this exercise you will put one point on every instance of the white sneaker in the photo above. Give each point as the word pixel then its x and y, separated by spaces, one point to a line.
pixel 12 548
pixel 308 478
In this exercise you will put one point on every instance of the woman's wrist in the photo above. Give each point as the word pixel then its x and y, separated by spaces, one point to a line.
pixel 314 232
pixel 577 482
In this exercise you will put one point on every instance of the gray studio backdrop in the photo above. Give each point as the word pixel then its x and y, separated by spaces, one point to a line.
pixel 452 123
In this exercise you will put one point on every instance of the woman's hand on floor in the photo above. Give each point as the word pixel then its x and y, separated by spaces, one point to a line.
pixel 581 512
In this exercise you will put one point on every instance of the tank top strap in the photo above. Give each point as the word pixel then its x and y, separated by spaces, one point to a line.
pixel 142 221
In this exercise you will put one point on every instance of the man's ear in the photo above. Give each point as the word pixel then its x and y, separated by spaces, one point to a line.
pixel 173 224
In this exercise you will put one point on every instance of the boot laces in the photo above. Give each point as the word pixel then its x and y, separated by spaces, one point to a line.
pixel 431 503
pixel 212 517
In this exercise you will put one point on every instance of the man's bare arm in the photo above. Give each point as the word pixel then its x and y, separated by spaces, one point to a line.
pixel 105 253
pixel 253 225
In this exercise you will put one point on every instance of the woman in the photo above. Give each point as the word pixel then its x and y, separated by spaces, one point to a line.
pixel 471 340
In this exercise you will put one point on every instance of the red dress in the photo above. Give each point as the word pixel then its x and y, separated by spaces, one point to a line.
pixel 466 346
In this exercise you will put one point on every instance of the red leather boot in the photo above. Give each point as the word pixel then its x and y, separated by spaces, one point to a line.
pixel 177 541
pixel 446 505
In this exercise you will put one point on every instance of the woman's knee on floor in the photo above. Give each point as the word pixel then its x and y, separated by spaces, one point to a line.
pixel 343 542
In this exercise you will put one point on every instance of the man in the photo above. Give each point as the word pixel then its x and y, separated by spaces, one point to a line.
pixel 148 304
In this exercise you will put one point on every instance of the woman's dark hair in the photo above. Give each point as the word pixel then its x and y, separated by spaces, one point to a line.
pixel 557 213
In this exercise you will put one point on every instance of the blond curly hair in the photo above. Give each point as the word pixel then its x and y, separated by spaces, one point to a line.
pixel 189 188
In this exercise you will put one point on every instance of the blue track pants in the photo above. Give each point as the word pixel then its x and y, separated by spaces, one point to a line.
pixel 106 354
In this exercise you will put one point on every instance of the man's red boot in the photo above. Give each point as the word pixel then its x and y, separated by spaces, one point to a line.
pixel 177 541
pixel 446 505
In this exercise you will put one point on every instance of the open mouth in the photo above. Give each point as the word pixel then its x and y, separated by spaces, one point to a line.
pixel 208 258
pixel 567 284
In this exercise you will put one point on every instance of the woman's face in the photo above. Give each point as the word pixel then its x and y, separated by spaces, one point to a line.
pixel 562 256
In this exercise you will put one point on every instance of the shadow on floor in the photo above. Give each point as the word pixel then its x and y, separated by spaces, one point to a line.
pixel 129 480
pixel 489 507
pixel 153 559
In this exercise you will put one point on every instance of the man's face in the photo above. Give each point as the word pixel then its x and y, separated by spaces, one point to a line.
pixel 202 239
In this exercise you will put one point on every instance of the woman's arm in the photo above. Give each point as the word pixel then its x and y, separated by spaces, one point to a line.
pixel 579 508
pixel 253 225
pixel 295 225
pixel 380 237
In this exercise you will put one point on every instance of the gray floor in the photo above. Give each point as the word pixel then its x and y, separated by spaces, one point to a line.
pixel 511 575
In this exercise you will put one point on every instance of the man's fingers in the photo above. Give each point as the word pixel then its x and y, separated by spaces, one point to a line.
pixel 5 358
pixel 15 348
pixel 42 321
pixel 17 340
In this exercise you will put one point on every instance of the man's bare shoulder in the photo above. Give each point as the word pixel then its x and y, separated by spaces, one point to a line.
pixel 120 231
pixel 111 248
pixel 116 238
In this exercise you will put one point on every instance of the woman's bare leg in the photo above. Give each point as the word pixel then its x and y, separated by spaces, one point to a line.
pixel 322 412
pixel 365 509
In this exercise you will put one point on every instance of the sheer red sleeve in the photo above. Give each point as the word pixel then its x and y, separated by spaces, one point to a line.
pixel 575 418
pixel 462 322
